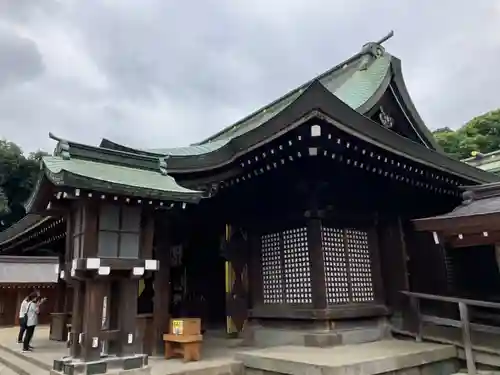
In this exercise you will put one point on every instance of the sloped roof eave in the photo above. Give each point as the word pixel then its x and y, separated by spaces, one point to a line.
pixel 64 175
pixel 26 224
pixel 449 221
pixel 400 85
pixel 240 128
pixel 74 180
pixel 315 98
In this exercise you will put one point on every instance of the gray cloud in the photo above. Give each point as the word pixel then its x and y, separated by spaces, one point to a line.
pixel 20 60
pixel 153 74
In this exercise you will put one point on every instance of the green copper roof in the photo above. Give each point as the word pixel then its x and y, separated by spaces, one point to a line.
pixel 110 171
pixel 363 84
pixel 257 119
pixel 487 162
pixel 132 178
pixel 354 82
pixel 189 150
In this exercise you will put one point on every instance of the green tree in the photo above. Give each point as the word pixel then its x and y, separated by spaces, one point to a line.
pixel 18 175
pixel 481 134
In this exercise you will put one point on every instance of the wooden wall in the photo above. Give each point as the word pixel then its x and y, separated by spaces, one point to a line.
pixel 10 302
pixel 8 309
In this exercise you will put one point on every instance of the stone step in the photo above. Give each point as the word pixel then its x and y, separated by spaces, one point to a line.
pixel 368 359
pixel 18 364
pixel 27 357
pixel 160 366
pixel 4 370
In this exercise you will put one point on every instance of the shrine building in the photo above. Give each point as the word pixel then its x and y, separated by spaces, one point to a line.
pixel 295 220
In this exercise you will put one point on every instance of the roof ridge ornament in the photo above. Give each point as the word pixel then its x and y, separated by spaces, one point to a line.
pixel 468 197
pixel 62 147
pixel 163 164
pixel 373 50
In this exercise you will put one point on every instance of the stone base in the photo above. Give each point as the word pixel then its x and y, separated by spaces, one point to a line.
pixel 322 339
pixel 388 357
pixel 327 334
pixel 134 364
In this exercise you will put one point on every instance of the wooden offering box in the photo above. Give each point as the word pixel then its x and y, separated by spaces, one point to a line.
pixel 184 339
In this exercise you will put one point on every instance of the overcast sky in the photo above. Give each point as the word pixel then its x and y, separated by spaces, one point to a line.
pixel 161 73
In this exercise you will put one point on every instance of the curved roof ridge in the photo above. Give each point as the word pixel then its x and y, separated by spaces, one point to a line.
pixel 373 49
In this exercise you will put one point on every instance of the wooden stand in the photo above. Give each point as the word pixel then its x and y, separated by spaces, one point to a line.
pixel 184 339
pixel 58 326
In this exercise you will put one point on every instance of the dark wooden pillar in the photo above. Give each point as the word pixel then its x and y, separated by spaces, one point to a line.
pixel 19 299
pixel 60 296
pixel 377 279
pixel 427 263
pixel 393 260
pixel 161 312
pixel 59 316
pixel 92 320
pixel 68 298
pixel 77 317
pixel 127 316
pixel 315 247
pixel 316 262
pixel 255 282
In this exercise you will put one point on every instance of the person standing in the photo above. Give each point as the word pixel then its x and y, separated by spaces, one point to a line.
pixel 31 321
pixel 23 315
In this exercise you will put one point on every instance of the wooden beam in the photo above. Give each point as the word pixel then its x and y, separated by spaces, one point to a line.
pixel 473 239
pixel 460 224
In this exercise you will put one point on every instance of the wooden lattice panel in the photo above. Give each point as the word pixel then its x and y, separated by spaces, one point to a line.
pixel 272 272
pixel 360 270
pixel 297 266
pixel 334 259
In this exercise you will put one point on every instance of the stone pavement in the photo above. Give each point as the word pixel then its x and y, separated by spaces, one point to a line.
pixel 216 359
pixel 395 357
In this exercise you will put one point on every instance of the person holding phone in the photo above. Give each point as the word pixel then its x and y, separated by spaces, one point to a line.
pixel 32 312
pixel 23 315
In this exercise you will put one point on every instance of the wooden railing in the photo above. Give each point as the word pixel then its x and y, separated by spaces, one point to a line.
pixel 464 323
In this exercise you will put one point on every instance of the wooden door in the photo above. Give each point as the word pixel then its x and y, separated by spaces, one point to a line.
pixel 235 251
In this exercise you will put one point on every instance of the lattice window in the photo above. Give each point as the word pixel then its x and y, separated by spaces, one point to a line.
pixel 337 281
pixel 286 274
pixel 358 255
pixel 347 262
pixel 297 267
pixel 272 272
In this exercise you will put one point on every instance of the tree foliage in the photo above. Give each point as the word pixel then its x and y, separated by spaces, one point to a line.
pixel 18 174
pixel 481 134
